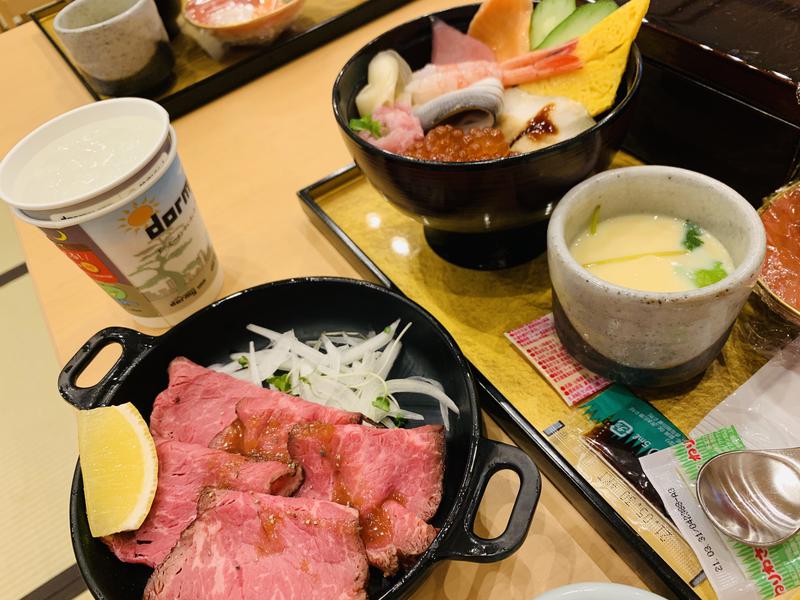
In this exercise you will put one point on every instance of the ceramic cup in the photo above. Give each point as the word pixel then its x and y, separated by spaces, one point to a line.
pixel 126 216
pixel 640 338
pixel 120 45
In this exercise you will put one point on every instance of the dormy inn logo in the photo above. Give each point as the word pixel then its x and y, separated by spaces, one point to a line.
pixel 143 215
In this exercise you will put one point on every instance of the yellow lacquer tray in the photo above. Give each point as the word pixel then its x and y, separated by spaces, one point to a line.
pixel 477 307
pixel 200 78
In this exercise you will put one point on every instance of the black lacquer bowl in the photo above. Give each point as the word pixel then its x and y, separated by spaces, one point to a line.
pixel 311 306
pixel 488 214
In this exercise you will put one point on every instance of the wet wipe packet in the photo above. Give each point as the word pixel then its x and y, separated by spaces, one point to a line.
pixel 736 571
pixel 628 428
pixel 539 343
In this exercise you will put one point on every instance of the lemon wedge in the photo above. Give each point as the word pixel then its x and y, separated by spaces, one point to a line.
pixel 119 466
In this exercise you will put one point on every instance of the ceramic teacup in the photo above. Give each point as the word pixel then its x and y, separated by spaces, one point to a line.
pixel 120 45
pixel 642 338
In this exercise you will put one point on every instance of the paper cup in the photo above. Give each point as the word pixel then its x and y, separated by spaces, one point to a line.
pixel 136 232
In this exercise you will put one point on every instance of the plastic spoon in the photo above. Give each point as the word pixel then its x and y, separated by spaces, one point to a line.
pixel 753 495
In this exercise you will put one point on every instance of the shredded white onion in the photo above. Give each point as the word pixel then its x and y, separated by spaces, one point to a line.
pixel 340 369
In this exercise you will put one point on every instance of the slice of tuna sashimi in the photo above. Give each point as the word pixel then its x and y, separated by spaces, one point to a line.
pixel 450 46
pixel 249 546
pixel 183 471
pixel 261 429
pixel 392 476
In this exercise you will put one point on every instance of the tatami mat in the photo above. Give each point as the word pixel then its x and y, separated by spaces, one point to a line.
pixel 37 440
pixel 10 252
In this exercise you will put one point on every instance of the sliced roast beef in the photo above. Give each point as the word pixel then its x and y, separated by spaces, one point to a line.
pixel 183 471
pixel 261 429
pixel 200 403
pixel 197 404
pixel 245 546
pixel 394 535
pixel 392 476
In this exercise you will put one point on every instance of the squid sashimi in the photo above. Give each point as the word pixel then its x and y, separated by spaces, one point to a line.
pixel 534 122
pixel 504 26
pixel 387 75
pixel 450 46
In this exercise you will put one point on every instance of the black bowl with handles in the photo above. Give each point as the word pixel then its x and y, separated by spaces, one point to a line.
pixel 487 214
pixel 311 306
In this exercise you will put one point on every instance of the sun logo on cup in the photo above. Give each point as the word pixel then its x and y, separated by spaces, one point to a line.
pixel 138 216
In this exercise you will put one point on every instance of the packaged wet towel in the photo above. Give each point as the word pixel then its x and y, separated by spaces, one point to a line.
pixel 736 571
pixel 628 428
pixel 539 343
pixel 766 409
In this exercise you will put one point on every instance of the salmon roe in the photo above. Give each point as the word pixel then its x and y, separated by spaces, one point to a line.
pixel 446 143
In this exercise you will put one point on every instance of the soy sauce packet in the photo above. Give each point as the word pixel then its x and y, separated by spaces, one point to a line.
pixel 628 428
pixel 736 571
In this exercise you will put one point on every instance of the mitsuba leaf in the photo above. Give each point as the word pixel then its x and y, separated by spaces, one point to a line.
pixel 691 237
pixel 704 277
pixel 366 124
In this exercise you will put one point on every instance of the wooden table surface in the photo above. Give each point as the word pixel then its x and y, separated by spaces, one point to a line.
pixel 246 155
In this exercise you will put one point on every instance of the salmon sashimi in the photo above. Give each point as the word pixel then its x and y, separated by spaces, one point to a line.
pixel 504 26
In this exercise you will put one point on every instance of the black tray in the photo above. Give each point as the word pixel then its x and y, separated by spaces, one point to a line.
pixel 241 65
pixel 642 558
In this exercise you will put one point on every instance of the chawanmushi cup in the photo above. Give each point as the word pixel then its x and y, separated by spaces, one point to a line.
pixel 641 338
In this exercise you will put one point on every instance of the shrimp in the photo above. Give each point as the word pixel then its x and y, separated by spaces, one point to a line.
pixel 540 64
pixel 434 80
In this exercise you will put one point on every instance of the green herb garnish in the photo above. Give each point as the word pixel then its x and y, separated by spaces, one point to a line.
pixel 243 361
pixel 381 403
pixel 387 329
pixel 304 380
pixel 399 421
pixel 366 124
pixel 691 237
pixel 595 220
pixel 704 277
pixel 280 382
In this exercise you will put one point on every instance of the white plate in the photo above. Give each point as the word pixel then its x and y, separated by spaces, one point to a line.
pixel 598 591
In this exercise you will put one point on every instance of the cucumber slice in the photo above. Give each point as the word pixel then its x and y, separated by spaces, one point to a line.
pixel 579 22
pixel 546 16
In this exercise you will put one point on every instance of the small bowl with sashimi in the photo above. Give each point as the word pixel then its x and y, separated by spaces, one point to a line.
pixel 459 124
